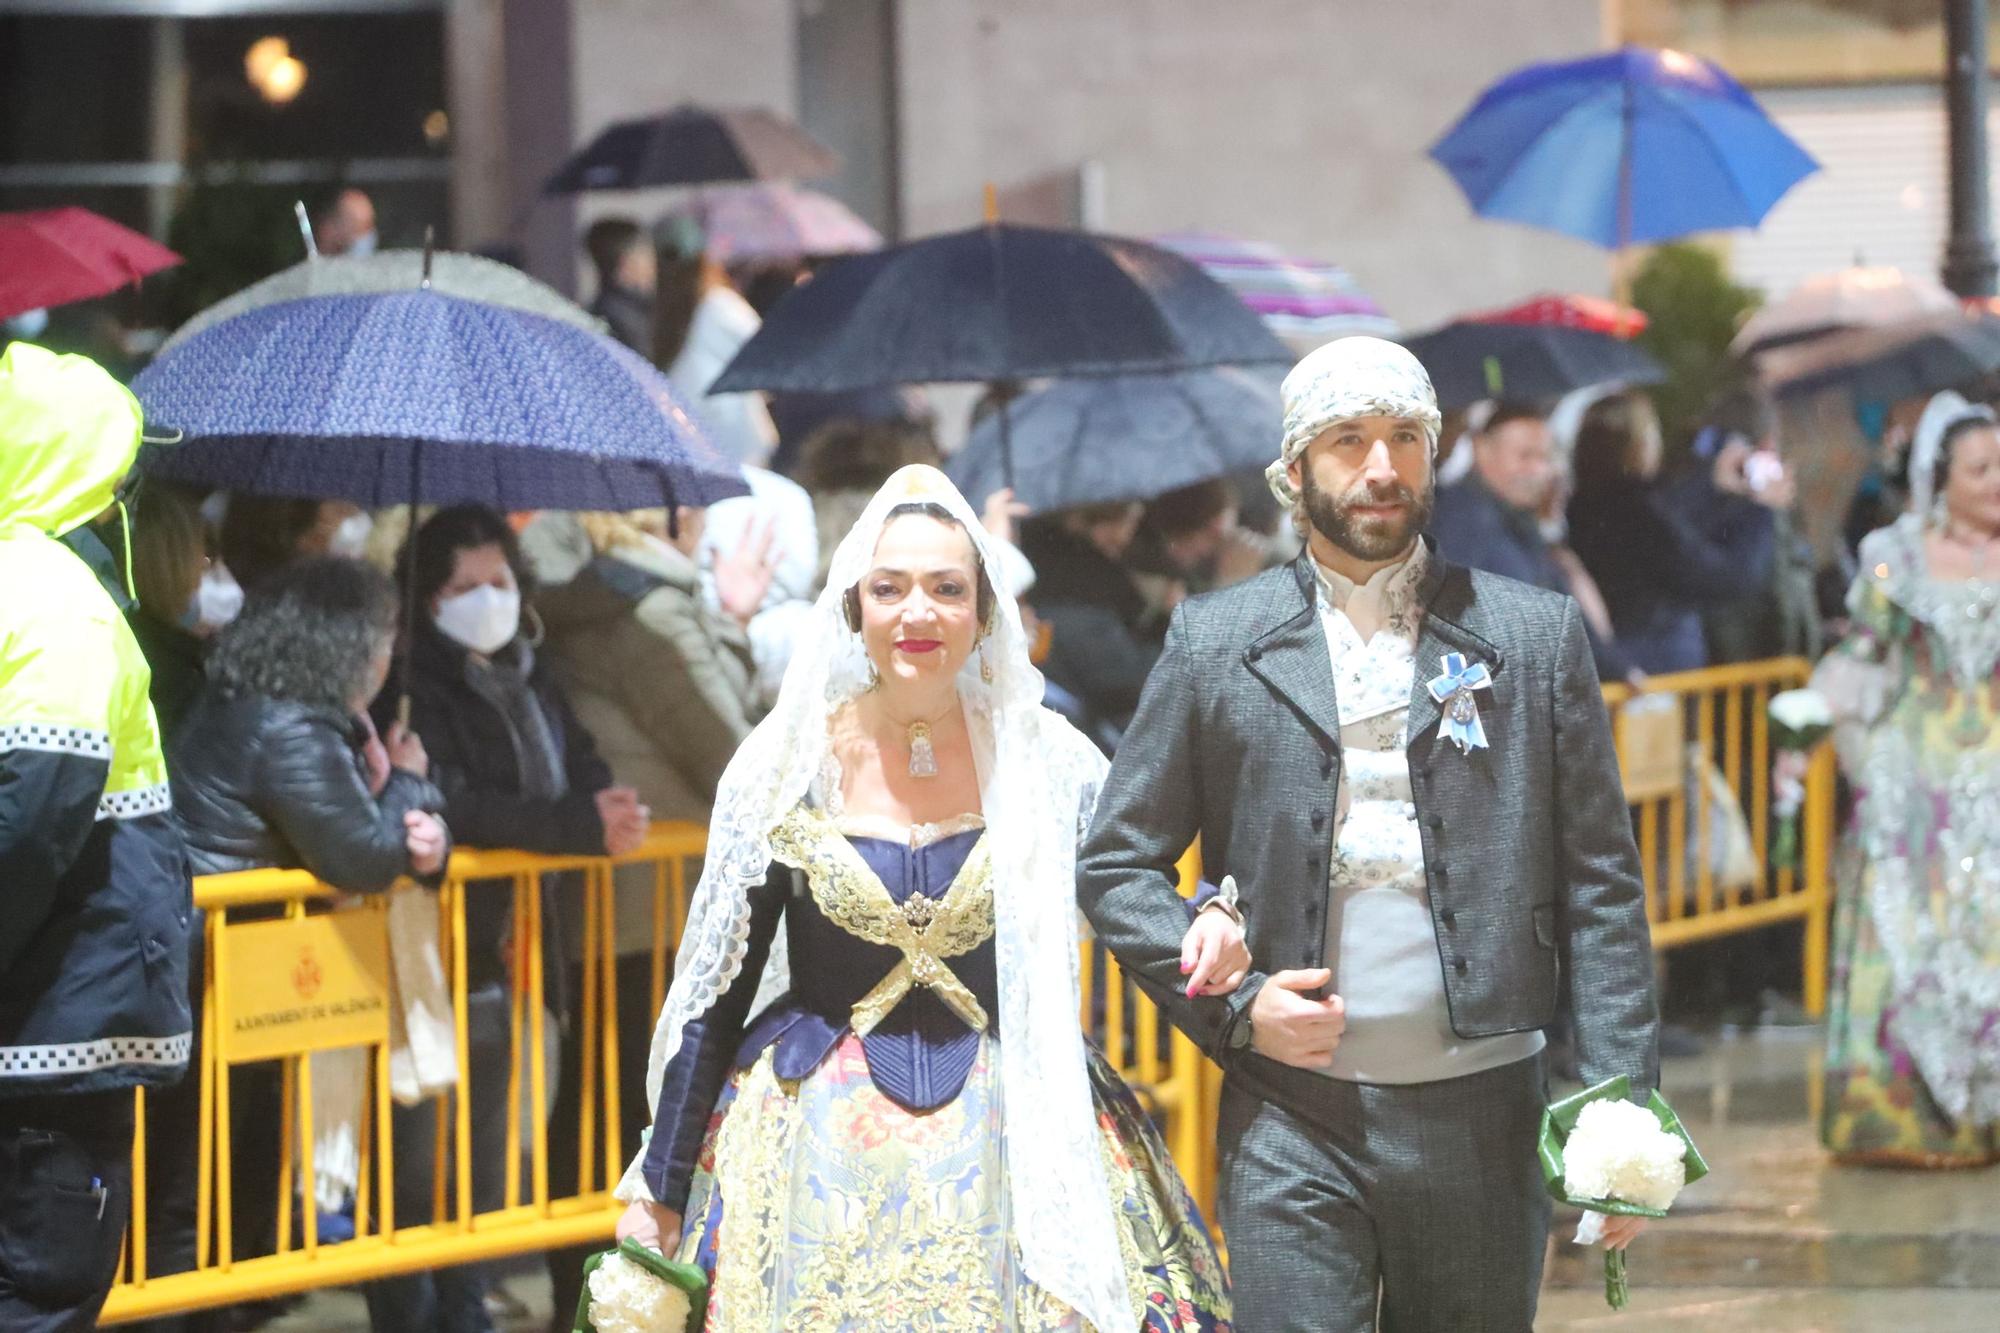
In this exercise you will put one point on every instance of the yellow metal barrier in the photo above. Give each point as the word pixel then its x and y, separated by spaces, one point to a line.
pixel 1715 805
pixel 1714 719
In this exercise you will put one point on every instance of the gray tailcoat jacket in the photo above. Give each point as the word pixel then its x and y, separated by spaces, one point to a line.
pixel 1534 880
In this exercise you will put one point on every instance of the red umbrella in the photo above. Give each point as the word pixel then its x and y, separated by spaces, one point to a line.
pixel 59 255
pixel 1570 312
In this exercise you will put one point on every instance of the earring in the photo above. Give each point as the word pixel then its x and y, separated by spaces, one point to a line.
pixel 874 676
pixel 985 667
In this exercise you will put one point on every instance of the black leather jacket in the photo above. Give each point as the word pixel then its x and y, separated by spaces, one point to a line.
pixel 260 781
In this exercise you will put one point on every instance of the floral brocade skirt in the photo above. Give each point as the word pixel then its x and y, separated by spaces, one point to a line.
pixel 824 1205
pixel 1878 1110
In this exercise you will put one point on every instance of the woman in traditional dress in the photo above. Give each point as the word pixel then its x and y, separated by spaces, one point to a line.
pixel 914 1134
pixel 1913 1065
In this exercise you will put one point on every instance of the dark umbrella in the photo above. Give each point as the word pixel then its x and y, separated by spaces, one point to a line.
pixel 997 304
pixel 1469 361
pixel 61 255
pixel 1129 437
pixel 692 145
pixel 1906 360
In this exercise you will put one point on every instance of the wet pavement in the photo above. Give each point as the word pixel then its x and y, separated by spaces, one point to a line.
pixel 1776 1240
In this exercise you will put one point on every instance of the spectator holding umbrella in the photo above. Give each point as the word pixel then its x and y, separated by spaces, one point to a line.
pixel 700 322
pixel 517 770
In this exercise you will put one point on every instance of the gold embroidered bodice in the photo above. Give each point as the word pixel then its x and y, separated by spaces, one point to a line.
pixel 925 930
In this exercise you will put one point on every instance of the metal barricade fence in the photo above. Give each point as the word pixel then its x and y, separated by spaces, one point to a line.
pixel 1697 755
pixel 292 969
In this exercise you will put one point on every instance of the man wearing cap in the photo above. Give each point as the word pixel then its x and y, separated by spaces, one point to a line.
pixel 1407 768
pixel 94 888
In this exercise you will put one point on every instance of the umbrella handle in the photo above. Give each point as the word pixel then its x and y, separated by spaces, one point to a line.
pixel 305 228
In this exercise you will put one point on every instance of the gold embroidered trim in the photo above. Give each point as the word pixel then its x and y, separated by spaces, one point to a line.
pixel 926 930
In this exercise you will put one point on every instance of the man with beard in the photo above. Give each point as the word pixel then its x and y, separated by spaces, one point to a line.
pixel 1407 768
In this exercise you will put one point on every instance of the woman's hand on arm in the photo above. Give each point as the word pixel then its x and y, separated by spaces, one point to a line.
pixel 1214 955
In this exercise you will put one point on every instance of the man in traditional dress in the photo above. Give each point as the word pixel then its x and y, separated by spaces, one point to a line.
pixel 1407 767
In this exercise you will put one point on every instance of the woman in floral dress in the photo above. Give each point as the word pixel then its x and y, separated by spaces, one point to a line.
pixel 876 1108
pixel 1913 1064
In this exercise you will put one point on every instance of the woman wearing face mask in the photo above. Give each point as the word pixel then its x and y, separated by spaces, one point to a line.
pixel 893 852
pixel 184 598
pixel 517 770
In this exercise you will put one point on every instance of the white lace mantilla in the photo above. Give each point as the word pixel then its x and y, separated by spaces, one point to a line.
pixel 1038 783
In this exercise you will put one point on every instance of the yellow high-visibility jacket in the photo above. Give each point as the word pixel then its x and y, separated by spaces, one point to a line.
pixel 95 899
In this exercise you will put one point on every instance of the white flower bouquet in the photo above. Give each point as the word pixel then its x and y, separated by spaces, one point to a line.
pixel 636 1289
pixel 1800 720
pixel 1603 1154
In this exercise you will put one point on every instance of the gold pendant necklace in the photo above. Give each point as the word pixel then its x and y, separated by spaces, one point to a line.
pixel 923 755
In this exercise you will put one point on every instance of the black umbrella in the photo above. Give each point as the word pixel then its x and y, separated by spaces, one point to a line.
pixel 1000 303
pixel 1469 361
pixel 1128 437
pixel 692 145
pixel 1906 360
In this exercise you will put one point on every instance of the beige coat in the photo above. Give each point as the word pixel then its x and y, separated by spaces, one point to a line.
pixel 665 685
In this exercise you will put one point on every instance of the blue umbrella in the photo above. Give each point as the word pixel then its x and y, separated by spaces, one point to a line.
pixel 1630 147
pixel 416 396
pixel 1127 438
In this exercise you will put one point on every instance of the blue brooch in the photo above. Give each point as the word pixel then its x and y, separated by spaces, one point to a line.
pixel 1453 691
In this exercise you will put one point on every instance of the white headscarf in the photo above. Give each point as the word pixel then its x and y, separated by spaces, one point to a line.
pixel 1349 378
pixel 1038 781
pixel 1944 411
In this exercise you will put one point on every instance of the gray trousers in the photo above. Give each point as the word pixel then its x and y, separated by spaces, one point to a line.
pixel 1421 1201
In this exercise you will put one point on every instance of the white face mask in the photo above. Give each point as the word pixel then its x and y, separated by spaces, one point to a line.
pixel 218 599
pixel 484 620
pixel 364 245
pixel 350 539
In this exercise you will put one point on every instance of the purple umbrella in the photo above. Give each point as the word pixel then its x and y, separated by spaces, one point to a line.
pixel 418 397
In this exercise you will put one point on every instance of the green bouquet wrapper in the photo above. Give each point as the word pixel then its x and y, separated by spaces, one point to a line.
pixel 1560 1118
pixel 687 1277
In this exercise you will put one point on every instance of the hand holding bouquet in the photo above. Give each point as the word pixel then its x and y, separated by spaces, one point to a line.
pixel 636 1289
pixel 1800 720
pixel 1603 1154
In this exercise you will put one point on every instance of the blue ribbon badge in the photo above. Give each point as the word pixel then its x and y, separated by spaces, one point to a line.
pixel 1453 691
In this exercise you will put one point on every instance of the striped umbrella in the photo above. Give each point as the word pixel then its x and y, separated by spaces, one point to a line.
pixel 1303 301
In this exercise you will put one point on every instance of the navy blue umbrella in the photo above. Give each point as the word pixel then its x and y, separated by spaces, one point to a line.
pixel 1126 438
pixel 419 397
pixel 1624 148
pixel 1000 303
pixel 692 145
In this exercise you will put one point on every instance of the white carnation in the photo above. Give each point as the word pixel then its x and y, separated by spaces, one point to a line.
pixel 1801 710
pixel 625 1298
pixel 1618 1151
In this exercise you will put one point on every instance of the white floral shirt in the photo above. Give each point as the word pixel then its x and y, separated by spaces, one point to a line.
pixel 1381 943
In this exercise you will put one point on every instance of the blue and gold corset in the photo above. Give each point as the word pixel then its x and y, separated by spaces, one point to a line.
pixel 891 938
